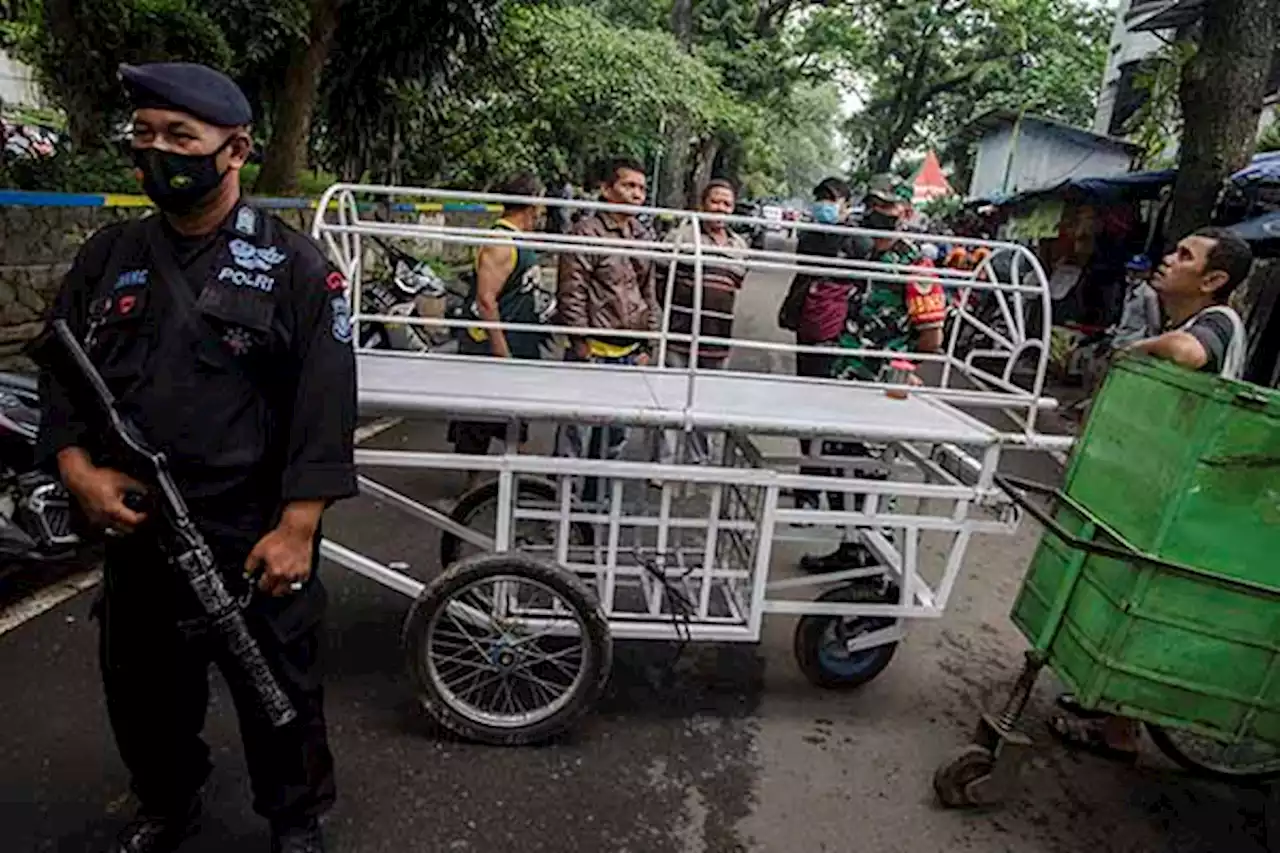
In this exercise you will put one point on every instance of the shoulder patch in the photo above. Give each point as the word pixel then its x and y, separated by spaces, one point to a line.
pixel 341 327
pixel 247 222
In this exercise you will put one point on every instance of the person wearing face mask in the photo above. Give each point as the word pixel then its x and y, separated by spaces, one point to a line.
pixel 226 336
pixel 815 309
pixel 882 316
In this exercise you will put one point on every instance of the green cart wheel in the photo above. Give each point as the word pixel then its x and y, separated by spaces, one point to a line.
pixel 959 781
pixel 1250 762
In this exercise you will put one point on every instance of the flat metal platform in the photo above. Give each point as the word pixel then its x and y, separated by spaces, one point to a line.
pixel 499 389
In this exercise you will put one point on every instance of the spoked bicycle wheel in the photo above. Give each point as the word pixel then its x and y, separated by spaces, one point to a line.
pixel 1245 763
pixel 478 509
pixel 507 650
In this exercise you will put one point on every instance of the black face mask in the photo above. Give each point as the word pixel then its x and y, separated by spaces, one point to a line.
pixel 177 183
pixel 878 220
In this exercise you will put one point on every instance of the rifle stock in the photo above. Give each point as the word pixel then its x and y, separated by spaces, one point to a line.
pixel 190 553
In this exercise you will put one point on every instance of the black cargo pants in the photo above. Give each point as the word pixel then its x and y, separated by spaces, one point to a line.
pixel 155 669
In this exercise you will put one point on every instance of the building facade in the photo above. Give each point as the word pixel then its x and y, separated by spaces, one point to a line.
pixel 1018 152
pixel 17 83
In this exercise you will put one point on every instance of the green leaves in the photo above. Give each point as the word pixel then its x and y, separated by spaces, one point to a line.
pixel 928 67
pixel 77 45
pixel 563 89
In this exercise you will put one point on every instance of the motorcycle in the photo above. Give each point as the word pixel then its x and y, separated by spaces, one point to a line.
pixel 35 509
pixel 412 290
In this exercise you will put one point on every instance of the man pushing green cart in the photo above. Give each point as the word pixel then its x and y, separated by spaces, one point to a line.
pixel 1153 593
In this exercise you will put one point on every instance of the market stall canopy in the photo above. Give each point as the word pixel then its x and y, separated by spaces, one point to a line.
pixel 1134 186
pixel 1156 15
pixel 1137 186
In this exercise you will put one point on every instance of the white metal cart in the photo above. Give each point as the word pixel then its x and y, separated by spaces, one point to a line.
pixel 512 643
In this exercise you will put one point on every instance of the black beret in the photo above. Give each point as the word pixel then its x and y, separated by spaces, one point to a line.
pixel 198 90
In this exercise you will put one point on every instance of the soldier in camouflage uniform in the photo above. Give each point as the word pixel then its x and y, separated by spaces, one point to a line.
pixel 888 315
pixel 882 316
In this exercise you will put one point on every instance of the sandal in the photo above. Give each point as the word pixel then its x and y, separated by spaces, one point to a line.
pixel 1069 703
pixel 1087 735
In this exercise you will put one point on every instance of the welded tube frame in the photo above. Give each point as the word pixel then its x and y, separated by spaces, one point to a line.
pixel 350 226
pixel 344 240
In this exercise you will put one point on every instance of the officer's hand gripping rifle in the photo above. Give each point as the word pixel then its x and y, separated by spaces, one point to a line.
pixel 190 554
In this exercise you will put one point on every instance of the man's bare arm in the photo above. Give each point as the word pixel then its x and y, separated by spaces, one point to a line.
pixel 493 266
pixel 1179 347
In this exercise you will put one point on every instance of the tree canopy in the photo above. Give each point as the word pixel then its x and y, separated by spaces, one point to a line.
pixel 464 93
pixel 926 68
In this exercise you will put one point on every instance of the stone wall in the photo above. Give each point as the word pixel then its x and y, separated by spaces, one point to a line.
pixel 38 244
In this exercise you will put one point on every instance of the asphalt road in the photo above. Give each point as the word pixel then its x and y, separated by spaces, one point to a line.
pixel 733 752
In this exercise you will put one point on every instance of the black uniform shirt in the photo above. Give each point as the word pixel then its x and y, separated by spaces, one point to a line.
pixel 194 396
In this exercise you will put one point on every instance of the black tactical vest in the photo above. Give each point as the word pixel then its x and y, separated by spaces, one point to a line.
pixel 202 367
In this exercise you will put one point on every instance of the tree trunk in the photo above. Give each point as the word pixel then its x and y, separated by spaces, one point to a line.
pixel 295 103
pixel 682 22
pixel 905 110
pixel 88 121
pixel 675 165
pixel 703 168
pixel 1221 93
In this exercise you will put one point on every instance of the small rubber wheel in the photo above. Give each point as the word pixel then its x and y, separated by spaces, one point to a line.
pixel 1247 763
pixel 484 498
pixel 505 649
pixel 953 781
pixel 820 643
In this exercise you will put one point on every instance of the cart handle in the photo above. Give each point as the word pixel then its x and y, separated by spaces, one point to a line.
pixel 1016 488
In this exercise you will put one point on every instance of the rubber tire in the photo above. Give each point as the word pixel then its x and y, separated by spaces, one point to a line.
pixel 952 779
pixel 598 658
pixel 1162 739
pixel 473 500
pixel 809 635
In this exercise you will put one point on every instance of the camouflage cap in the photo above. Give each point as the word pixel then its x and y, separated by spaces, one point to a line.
pixel 883 188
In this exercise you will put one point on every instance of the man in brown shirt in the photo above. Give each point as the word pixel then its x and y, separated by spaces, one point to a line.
pixel 599 290
pixel 606 292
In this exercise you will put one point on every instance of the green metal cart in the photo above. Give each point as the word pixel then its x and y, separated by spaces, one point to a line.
pixel 1154 593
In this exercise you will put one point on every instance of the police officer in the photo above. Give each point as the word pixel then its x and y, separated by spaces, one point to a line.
pixel 226 337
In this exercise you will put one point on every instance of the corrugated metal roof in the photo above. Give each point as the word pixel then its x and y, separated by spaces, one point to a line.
pixel 1167 15
pixel 1000 118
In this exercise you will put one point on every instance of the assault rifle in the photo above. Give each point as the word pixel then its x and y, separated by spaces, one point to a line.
pixel 184 545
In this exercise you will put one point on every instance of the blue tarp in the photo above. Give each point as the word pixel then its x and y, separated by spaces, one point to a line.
pixel 1264 167
pixel 1136 185
pixel 1260 228
pixel 1139 186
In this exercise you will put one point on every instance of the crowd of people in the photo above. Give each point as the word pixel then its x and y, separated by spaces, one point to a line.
pixel 619 299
